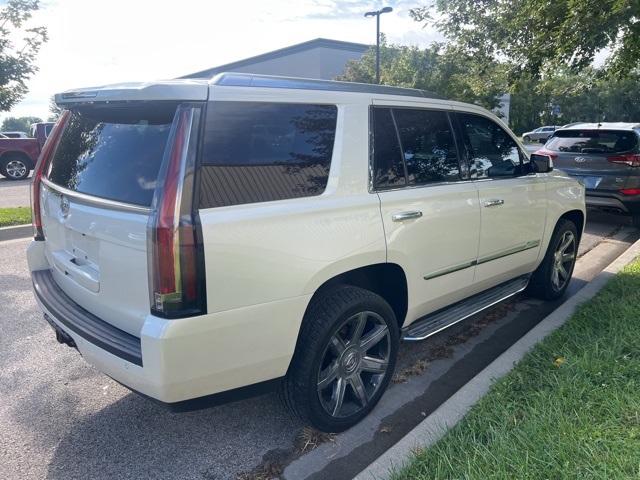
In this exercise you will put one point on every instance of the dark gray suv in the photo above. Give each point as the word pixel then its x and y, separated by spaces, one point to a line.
pixel 606 158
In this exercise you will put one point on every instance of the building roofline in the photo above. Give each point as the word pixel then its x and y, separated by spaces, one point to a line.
pixel 283 52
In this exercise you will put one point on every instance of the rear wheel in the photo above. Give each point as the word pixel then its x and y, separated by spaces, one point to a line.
pixel 14 168
pixel 551 278
pixel 344 359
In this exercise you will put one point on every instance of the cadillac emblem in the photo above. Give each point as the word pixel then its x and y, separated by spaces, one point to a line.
pixel 64 207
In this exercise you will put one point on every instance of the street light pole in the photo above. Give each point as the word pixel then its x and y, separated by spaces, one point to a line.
pixel 377 15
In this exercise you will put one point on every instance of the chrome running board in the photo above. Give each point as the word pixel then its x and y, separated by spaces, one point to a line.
pixel 435 322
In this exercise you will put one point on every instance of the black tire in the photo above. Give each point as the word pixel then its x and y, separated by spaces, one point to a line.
pixel 14 168
pixel 551 278
pixel 526 139
pixel 635 220
pixel 344 359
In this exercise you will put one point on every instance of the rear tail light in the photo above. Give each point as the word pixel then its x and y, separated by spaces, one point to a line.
pixel 631 160
pixel 547 152
pixel 630 191
pixel 43 163
pixel 175 250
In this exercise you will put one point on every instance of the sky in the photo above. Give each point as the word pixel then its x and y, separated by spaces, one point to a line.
pixel 95 43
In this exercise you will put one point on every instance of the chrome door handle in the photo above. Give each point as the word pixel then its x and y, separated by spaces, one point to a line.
pixel 493 203
pixel 399 217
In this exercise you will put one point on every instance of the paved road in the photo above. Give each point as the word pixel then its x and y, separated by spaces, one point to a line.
pixel 61 419
pixel 14 193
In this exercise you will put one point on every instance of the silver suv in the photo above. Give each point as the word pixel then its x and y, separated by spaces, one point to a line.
pixel 197 257
pixel 606 158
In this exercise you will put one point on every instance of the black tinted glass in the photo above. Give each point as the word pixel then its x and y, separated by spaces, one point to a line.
pixel 388 168
pixel 413 147
pixel 259 152
pixel 593 141
pixel 491 150
pixel 428 147
pixel 113 153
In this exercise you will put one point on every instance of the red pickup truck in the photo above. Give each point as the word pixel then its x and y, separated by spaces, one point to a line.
pixel 18 156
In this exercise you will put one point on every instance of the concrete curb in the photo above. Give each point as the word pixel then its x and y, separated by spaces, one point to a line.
pixel 13 233
pixel 453 410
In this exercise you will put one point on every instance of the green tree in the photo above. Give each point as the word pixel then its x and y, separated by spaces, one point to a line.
pixel 587 96
pixel 54 110
pixel 17 63
pixel 538 35
pixel 18 124
pixel 443 69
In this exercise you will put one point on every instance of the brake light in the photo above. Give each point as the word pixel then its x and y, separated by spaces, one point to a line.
pixel 175 252
pixel 631 160
pixel 630 191
pixel 43 163
pixel 546 152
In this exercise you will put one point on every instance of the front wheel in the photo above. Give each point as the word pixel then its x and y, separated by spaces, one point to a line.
pixel 551 278
pixel 344 359
pixel 14 168
pixel 526 138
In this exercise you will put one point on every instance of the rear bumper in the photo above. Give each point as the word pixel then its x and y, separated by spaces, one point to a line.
pixel 72 317
pixel 187 363
pixel 613 201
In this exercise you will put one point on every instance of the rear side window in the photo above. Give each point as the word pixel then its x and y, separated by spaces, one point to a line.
pixel 592 141
pixel 113 153
pixel 259 152
pixel 413 147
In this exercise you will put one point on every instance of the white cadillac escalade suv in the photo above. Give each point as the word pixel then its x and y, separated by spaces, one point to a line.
pixel 203 240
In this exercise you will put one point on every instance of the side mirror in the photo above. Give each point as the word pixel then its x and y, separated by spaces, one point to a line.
pixel 541 163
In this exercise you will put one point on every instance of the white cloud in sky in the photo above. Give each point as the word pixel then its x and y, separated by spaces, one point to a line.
pixel 95 43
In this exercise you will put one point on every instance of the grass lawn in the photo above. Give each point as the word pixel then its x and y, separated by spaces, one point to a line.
pixel 569 410
pixel 15 216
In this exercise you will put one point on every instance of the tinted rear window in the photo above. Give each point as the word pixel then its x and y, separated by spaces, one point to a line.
pixel 259 152
pixel 113 153
pixel 592 141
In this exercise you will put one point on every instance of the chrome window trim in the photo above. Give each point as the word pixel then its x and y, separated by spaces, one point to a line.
pixel 85 199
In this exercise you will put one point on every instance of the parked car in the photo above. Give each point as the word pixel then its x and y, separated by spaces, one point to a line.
pixel 18 156
pixel 539 134
pixel 196 270
pixel 15 134
pixel 606 158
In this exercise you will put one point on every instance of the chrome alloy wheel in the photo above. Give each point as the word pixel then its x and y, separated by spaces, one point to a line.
pixel 16 169
pixel 354 364
pixel 563 260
